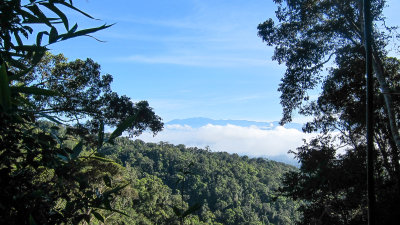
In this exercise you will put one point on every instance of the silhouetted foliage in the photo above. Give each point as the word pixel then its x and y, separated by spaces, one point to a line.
pixel 49 174
pixel 311 36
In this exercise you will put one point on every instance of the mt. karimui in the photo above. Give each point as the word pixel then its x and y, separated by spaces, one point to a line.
pixel 243 137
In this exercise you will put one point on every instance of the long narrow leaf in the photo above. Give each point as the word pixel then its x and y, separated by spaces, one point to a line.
pixel 59 13
pixel 30 48
pixel 35 9
pixel 18 38
pixel 73 29
pixel 83 32
pixel 34 91
pixel 115 190
pixel 76 9
pixel 122 127
pixel 53 35
pixel 51 118
pixel 5 96
pixel 39 37
pixel 98 216
pixel 27 16
pixel 120 212
pixel 77 150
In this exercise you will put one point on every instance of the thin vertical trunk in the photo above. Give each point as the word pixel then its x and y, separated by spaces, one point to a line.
pixel 370 111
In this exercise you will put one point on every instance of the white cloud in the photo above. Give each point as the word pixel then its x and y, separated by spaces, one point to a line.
pixel 252 141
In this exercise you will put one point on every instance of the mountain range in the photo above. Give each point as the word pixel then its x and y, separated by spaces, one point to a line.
pixel 197 122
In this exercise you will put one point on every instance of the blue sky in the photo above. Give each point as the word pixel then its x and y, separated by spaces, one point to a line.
pixel 188 58
pixel 195 58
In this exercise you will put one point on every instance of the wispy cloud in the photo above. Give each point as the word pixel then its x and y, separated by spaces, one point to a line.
pixel 197 60
pixel 212 34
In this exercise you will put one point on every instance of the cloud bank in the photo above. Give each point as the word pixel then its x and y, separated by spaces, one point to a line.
pixel 252 141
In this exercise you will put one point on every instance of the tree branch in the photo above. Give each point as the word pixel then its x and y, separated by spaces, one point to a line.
pixel 379 71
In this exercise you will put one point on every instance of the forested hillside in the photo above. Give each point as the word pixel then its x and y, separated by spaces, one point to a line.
pixel 227 189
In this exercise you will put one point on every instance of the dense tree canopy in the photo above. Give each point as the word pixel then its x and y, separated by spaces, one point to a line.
pixel 311 36
pixel 85 95
pixel 230 189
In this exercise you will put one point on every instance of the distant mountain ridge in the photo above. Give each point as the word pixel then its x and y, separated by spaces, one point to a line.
pixel 197 122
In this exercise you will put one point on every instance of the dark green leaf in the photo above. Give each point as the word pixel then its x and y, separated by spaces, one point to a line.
pixel 43 19
pixel 83 32
pixel 77 150
pixel 30 48
pixel 31 220
pixel 40 36
pixel 28 17
pixel 122 127
pixel 73 29
pixel 19 41
pixel 98 216
pixel 34 91
pixel 120 212
pixel 107 180
pixel 53 35
pixel 62 16
pixel 86 218
pixel 115 190
pixel 64 158
pixel 51 118
pixel 107 204
pixel 5 96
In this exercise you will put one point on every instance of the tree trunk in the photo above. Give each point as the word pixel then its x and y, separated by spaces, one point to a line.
pixel 379 72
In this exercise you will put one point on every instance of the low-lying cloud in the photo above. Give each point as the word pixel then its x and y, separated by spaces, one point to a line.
pixel 252 141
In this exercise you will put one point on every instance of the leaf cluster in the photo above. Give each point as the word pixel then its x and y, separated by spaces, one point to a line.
pixel 310 36
pixel 51 173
